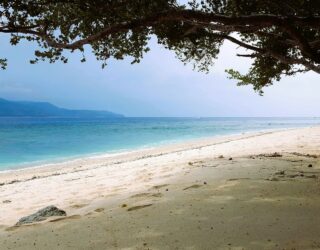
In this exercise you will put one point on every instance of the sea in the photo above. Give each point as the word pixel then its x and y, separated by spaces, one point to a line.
pixel 26 142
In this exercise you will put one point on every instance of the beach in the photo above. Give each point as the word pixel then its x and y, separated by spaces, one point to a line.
pixel 257 190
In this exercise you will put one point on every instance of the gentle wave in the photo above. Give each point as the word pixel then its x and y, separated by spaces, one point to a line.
pixel 26 142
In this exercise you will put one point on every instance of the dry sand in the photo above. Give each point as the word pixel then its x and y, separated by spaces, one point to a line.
pixel 184 196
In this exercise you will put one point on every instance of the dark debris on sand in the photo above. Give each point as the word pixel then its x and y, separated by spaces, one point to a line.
pixel 41 215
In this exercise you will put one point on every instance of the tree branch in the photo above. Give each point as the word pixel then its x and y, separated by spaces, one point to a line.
pixel 281 58
pixel 215 21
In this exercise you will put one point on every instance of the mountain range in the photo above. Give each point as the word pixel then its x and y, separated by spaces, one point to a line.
pixel 45 109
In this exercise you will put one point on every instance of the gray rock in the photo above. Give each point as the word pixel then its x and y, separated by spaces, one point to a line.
pixel 41 215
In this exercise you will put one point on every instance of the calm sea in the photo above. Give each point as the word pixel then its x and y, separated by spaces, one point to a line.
pixel 35 141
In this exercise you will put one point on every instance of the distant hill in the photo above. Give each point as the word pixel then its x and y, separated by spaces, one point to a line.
pixel 42 109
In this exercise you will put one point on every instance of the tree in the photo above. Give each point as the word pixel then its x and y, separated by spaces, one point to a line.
pixel 281 37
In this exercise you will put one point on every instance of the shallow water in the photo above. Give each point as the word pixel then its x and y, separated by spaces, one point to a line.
pixel 34 141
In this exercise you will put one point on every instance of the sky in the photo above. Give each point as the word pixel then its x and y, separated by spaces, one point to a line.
pixel 159 86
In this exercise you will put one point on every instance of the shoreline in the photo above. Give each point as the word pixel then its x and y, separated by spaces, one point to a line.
pixel 113 153
pixel 225 192
pixel 123 152
pixel 95 161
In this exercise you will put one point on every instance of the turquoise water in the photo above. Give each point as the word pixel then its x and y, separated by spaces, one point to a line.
pixel 34 141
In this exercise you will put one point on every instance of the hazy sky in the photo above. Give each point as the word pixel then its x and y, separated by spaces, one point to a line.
pixel 159 86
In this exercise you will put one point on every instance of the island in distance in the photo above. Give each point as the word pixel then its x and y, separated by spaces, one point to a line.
pixel 45 109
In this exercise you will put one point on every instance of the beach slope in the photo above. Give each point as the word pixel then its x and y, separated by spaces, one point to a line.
pixel 251 191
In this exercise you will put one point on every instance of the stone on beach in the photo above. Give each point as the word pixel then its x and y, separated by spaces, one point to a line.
pixel 41 215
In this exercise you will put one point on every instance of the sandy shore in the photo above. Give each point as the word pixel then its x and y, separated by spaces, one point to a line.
pixel 229 192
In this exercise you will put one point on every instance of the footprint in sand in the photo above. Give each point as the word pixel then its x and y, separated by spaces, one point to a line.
pixel 141 195
pixel 160 186
pixel 139 207
pixel 79 205
pixel 238 179
pixel 99 210
pixel 74 179
pixel 165 176
pixel 157 195
pixel 193 186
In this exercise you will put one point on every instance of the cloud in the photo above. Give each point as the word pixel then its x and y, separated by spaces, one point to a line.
pixel 159 86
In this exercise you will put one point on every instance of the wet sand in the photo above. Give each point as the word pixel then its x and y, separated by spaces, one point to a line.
pixel 251 191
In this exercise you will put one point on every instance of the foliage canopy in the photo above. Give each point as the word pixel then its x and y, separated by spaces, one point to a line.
pixel 282 37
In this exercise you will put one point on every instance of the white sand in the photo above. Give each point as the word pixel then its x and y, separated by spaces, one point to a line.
pixel 238 203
